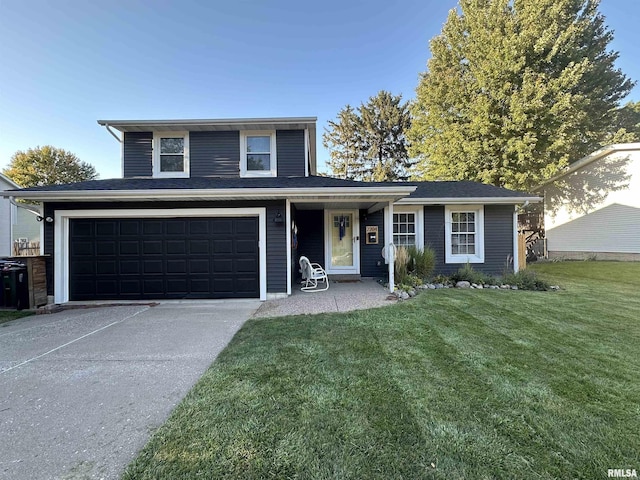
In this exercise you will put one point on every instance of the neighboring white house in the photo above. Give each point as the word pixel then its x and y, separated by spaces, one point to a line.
pixel 16 224
pixel 593 209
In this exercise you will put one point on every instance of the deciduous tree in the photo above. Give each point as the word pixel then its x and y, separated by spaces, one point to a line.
pixel 48 166
pixel 514 90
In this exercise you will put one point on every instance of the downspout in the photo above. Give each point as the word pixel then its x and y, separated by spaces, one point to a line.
pixel 108 127
pixel 37 213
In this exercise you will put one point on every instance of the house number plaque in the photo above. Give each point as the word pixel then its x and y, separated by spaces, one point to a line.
pixel 372 235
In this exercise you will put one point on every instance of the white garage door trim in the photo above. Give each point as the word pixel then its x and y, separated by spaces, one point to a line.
pixel 61 236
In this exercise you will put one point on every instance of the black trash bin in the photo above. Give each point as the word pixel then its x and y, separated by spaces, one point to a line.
pixel 15 287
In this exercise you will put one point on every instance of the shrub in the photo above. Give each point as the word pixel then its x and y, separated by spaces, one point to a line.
pixel 401 265
pixel 422 262
pixel 469 274
pixel 526 280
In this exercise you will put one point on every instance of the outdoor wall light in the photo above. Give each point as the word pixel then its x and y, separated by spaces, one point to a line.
pixel 278 218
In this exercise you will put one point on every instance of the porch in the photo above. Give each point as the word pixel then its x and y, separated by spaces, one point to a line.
pixel 342 296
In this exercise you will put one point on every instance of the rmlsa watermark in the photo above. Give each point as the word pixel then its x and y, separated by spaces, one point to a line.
pixel 622 473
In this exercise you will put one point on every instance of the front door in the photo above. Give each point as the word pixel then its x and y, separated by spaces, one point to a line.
pixel 342 241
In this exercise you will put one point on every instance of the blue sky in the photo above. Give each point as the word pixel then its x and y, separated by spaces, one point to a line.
pixel 66 64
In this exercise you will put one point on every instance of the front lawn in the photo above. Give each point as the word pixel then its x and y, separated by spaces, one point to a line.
pixel 453 384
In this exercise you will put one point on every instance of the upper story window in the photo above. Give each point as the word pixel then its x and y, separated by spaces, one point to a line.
pixel 171 154
pixel 258 154
pixel 464 234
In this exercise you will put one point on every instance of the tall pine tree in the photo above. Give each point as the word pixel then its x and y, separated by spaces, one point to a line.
pixel 370 144
pixel 516 89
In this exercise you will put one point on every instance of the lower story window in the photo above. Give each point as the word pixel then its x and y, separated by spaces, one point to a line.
pixel 404 229
pixel 464 234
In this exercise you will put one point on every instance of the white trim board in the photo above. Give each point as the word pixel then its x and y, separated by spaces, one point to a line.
pixel 61 236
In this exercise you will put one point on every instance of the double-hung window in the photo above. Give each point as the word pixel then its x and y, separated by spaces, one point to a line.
pixel 464 234
pixel 170 154
pixel 258 154
pixel 407 227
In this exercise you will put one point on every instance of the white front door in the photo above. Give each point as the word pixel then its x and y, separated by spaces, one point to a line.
pixel 342 241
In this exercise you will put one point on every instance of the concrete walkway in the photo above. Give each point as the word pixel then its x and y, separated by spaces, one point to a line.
pixel 81 391
pixel 340 297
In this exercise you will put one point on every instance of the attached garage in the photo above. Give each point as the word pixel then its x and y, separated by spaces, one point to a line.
pixel 147 256
pixel 163 258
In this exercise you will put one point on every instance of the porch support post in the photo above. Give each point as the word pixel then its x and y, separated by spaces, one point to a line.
pixel 516 246
pixel 287 226
pixel 389 249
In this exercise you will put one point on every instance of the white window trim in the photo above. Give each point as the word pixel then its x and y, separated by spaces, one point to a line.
pixel 61 236
pixel 464 258
pixel 418 211
pixel 156 154
pixel 273 172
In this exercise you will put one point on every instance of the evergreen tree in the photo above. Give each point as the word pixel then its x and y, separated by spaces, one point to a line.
pixel 48 166
pixel 516 89
pixel 370 144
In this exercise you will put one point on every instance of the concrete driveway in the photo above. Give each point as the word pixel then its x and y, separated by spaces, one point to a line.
pixel 81 391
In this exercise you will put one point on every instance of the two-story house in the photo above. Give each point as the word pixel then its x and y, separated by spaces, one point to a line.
pixel 225 208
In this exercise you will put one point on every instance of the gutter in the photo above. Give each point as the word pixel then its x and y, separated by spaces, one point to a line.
pixel 245 193
pixel 467 200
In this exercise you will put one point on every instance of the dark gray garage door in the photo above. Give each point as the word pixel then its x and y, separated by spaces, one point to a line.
pixel 163 258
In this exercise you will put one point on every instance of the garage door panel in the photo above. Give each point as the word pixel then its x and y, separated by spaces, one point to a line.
pixel 82 248
pixel 151 267
pixel 152 247
pixel 106 248
pixel 152 227
pixel 129 227
pixel 106 227
pixel 223 246
pixel 129 247
pixel 163 258
pixel 106 267
pixel 177 266
pixel 246 246
pixel 176 247
pixel 129 267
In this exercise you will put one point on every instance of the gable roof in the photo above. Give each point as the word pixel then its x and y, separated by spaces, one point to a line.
pixel 315 187
pixel 592 157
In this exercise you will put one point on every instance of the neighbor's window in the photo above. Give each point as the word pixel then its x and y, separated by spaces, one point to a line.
pixel 258 154
pixel 464 241
pixel 404 229
pixel 171 154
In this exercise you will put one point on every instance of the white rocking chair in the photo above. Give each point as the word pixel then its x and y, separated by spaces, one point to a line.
pixel 312 273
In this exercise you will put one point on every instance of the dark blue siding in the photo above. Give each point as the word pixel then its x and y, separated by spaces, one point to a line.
pixel 214 154
pixel 276 250
pixel 370 255
pixel 434 237
pixel 290 152
pixel 498 239
pixel 138 153
pixel 310 235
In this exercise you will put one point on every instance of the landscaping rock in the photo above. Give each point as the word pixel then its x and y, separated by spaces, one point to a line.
pixel 463 284
pixel 431 286
pixel 412 293
pixel 439 285
pixel 514 287
pixel 480 287
pixel 504 287
pixel 403 295
pixel 555 287
pixel 494 287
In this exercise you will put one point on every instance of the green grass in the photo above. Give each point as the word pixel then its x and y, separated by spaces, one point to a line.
pixel 8 315
pixel 453 384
